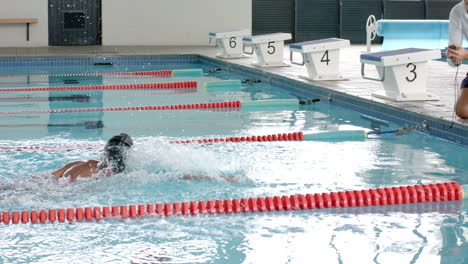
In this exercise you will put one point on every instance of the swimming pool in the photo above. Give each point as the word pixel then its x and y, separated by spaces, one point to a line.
pixel 429 233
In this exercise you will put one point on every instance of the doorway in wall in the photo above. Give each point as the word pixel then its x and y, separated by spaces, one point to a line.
pixel 74 22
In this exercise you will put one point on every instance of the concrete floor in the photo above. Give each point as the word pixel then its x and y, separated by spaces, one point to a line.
pixel 440 75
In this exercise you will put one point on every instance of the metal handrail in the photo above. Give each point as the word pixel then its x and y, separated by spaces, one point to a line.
pixel 296 63
pixel 210 42
pixel 244 51
pixel 369 78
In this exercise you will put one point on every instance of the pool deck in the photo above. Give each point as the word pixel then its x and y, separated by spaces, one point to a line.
pixel 440 75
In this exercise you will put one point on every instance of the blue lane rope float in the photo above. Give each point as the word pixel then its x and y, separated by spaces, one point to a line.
pixel 271 103
pixel 222 86
pixel 223 83
pixel 187 73
pixel 230 83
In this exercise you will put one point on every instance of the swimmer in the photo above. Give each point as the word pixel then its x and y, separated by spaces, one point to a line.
pixel 112 161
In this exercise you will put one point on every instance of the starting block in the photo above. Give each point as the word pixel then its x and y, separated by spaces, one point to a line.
pixel 403 73
pixel 268 48
pixel 230 42
pixel 321 58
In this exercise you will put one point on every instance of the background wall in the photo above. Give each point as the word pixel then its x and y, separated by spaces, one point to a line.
pixel 137 22
pixel 315 19
pixel 187 22
pixel 14 35
pixel 171 22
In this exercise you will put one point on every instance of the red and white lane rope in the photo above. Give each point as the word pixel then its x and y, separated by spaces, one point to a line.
pixel 232 104
pixel 157 74
pixel 295 136
pixel 174 85
pixel 439 192
pixel 46 148
pixel 254 105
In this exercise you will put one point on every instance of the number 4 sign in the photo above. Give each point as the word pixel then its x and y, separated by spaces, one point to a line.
pixel 321 58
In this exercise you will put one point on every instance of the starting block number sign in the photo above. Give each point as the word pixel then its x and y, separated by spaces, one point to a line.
pixel 268 49
pixel 321 58
pixel 403 73
pixel 230 42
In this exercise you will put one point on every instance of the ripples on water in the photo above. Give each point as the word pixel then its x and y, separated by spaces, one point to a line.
pixel 380 234
pixel 423 233
pixel 294 237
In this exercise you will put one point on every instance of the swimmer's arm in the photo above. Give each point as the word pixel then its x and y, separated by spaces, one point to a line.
pixel 59 173
pixel 191 177
pixel 83 170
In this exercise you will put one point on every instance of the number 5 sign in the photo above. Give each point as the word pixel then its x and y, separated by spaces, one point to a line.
pixel 268 49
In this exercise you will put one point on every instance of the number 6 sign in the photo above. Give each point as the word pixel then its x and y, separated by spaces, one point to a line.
pixel 230 42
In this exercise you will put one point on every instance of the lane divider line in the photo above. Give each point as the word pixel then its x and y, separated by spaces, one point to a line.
pixel 174 85
pixel 293 136
pixel 233 104
pixel 154 74
pixel 451 191
pixel 65 147
pixel 159 73
pixel 249 105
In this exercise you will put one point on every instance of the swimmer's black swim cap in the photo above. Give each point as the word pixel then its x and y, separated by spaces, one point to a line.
pixel 115 151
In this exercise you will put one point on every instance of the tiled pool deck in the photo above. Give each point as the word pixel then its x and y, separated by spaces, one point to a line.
pixel 355 93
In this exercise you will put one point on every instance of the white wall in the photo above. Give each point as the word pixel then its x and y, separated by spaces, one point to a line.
pixel 135 22
pixel 171 22
pixel 14 35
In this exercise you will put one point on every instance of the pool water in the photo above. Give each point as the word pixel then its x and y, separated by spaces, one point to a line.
pixel 422 233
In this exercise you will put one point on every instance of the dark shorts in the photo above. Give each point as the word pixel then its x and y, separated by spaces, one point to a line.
pixel 464 83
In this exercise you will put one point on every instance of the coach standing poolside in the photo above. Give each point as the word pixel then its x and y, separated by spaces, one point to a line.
pixel 458 28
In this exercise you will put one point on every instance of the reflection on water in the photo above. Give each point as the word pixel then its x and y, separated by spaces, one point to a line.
pixel 281 237
pixel 429 232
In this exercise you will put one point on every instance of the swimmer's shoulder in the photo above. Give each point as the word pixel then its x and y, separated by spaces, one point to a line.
pixel 92 165
pixel 94 162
